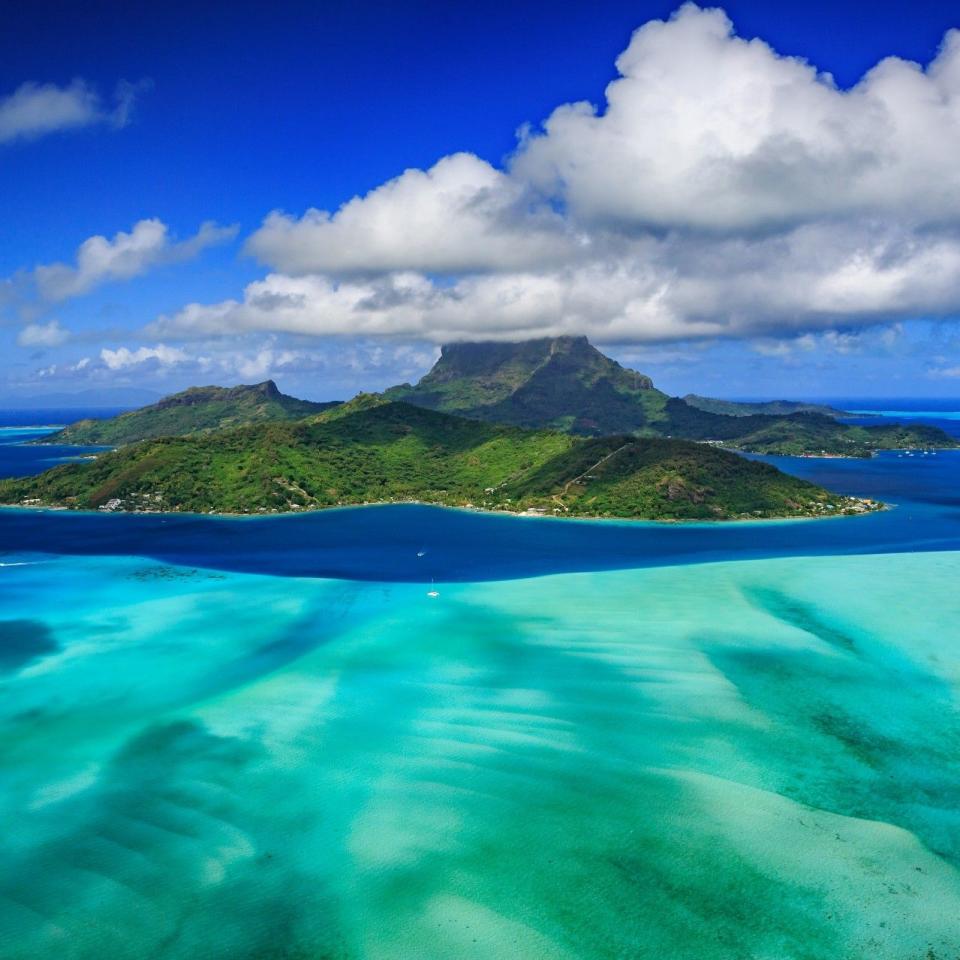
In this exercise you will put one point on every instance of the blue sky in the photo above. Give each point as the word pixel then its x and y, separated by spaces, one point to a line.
pixel 730 220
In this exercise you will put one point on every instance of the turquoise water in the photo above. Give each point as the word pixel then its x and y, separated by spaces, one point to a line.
pixel 597 741
pixel 738 759
pixel 913 414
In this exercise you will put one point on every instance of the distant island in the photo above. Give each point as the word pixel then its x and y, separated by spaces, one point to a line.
pixel 750 408
pixel 373 450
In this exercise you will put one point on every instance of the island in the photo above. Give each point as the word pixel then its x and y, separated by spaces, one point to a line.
pixel 565 383
pixel 562 384
pixel 376 450
pixel 749 408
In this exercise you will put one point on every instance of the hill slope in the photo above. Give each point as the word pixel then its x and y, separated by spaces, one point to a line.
pixel 372 451
pixel 196 410
pixel 776 408
pixel 564 383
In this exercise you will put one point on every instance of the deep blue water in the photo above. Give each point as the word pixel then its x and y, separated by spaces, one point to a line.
pixel 382 543
pixel 18 458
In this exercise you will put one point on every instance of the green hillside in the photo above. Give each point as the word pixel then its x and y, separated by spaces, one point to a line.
pixel 374 451
pixel 776 408
pixel 565 383
pixel 197 410
pixel 812 434
pixel 561 383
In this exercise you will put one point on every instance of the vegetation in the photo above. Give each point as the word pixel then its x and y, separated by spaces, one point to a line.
pixel 566 384
pixel 817 435
pixel 197 410
pixel 375 451
pixel 776 408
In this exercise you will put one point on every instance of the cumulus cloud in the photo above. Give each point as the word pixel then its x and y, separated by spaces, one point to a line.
pixel 722 190
pixel 161 354
pixel 36 109
pixel 126 255
pixel 706 130
pixel 647 290
pixel 43 335
pixel 461 215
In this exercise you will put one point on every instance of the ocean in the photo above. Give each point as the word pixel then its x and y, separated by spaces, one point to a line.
pixel 258 738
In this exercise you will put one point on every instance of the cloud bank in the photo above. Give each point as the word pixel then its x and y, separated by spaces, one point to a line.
pixel 721 190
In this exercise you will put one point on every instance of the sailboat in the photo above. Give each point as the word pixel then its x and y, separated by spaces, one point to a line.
pixel 432 592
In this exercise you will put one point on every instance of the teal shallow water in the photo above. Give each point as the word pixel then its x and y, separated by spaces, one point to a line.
pixel 755 759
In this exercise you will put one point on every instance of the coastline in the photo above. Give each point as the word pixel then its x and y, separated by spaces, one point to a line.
pixel 516 514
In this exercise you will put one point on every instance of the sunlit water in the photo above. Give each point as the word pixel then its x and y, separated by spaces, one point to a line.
pixel 262 738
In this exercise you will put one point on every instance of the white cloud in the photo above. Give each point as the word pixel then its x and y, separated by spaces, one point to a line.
pixel 723 190
pixel 645 290
pixel 461 215
pixel 36 109
pixel 43 335
pixel 706 130
pixel 126 255
pixel 124 357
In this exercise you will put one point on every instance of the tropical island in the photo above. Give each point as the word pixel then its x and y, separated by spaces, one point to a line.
pixel 373 450
pixel 561 383
pixel 549 426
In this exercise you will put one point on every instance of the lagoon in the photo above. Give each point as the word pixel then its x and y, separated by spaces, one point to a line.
pixel 261 738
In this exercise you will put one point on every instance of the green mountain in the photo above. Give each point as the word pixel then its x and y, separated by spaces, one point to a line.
pixel 776 408
pixel 565 383
pixel 197 410
pixel 375 451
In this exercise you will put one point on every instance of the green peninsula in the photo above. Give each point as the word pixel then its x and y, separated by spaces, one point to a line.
pixel 197 410
pixel 749 408
pixel 374 451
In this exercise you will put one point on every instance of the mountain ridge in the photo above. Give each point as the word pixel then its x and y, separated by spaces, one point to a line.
pixel 746 408
pixel 195 410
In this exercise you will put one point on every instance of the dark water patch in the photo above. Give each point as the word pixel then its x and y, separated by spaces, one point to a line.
pixel 166 856
pixel 863 737
pixel 321 624
pixel 384 543
pixel 803 616
pixel 24 640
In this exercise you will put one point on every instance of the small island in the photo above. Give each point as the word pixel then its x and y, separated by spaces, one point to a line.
pixel 372 450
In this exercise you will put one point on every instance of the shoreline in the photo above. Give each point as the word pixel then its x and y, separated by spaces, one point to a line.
pixel 520 515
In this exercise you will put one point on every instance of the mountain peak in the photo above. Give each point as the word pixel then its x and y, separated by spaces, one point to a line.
pixel 267 388
pixel 561 382
pixel 480 357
